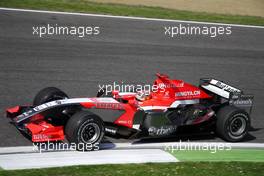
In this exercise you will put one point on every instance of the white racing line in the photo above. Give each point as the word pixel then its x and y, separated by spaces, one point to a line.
pixel 25 157
pixel 127 17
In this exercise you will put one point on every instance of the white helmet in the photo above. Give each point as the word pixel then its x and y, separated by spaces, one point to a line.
pixel 142 95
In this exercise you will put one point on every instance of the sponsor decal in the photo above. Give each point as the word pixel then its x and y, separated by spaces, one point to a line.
pixel 40 137
pixel 46 105
pixel 163 130
pixel 167 94
pixel 170 85
pixel 109 106
pixel 104 100
pixel 109 130
pixel 25 115
pixel 243 102
pixel 124 122
pixel 225 87
pixel 188 93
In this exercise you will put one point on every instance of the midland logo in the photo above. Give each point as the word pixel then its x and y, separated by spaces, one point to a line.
pixel 243 102
pixel 163 130
pixel 188 93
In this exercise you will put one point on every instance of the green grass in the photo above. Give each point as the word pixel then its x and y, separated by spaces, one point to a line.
pixel 158 169
pixel 252 155
pixel 126 10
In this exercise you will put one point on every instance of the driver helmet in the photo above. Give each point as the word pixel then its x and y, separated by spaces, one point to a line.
pixel 142 95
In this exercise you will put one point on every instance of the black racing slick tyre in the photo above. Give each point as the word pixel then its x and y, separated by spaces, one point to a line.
pixel 49 94
pixel 85 130
pixel 232 123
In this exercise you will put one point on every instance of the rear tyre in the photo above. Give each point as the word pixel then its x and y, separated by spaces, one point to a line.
pixel 85 129
pixel 49 94
pixel 232 123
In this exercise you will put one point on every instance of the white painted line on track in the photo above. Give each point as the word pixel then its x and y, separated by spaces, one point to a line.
pixel 163 145
pixel 128 17
pixel 70 158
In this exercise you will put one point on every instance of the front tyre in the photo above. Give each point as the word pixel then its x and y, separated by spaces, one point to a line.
pixel 85 130
pixel 232 123
pixel 49 94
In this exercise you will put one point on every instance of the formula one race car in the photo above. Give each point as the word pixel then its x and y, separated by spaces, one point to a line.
pixel 161 113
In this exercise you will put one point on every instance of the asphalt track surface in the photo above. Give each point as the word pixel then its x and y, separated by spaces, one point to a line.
pixel 126 50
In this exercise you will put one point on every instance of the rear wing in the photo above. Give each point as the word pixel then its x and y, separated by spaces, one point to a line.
pixel 231 94
pixel 218 87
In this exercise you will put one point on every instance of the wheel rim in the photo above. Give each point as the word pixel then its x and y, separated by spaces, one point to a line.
pixel 238 126
pixel 90 133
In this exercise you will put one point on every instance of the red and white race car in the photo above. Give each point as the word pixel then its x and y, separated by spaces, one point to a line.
pixel 174 105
